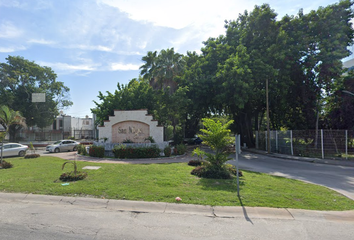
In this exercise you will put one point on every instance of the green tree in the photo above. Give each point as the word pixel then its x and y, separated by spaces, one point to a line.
pixel 19 78
pixel 137 94
pixel 217 136
pixel 161 70
pixel 9 117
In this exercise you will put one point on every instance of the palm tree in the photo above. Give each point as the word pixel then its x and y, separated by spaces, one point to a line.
pixel 162 69
pixel 9 117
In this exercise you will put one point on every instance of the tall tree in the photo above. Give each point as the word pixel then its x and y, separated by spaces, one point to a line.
pixel 19 78
pixel 162 69
pixel 9 117
pixel 137 94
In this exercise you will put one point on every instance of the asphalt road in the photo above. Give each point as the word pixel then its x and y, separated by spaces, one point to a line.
pixel 338 178
pixel 53 217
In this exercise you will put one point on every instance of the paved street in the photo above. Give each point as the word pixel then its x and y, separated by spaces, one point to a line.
pixel 27 216
pixel 339 178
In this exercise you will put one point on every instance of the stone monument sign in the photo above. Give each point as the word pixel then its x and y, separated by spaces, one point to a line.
pixel 132 125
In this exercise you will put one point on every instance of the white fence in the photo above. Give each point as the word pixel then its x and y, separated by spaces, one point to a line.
pixel 309 143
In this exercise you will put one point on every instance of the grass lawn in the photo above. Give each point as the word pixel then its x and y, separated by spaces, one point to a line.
pixel 164 182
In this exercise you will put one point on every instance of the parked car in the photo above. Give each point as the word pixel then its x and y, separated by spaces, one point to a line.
pixel 14 149
pixel 62 146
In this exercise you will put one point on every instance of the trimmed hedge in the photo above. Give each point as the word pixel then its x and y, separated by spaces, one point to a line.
pixel 96 151
pixel 122 151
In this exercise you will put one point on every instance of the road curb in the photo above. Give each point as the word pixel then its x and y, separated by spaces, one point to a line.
pixel 248 213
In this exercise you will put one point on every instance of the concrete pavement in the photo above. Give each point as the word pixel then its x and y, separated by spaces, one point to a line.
pixel 247 213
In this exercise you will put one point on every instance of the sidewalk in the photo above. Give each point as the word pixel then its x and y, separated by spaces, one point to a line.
pixel 248 213
pixel 348 163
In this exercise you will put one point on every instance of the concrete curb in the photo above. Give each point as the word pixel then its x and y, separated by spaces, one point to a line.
pixel 248 213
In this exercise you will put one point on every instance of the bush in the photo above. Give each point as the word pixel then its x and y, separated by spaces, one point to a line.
pixel 208 172
pixel 167 151
pixel 195 163
pixel 127 141
pixel 181 149
pixel 96 151
pixel 33 155
pixel 233 171
pixel 71 176
pixel 81 149
pixel 6 164
pixel 122 151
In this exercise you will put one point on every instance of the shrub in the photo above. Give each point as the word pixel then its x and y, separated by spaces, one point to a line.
pixel 209 172
pixel 81 149
pixel 33 155
pixel 96 151
pixel 151 139
pixel 167 151
pixel 122 151
pixel 127 141
pixel 71 176
pixel 5 164
pixel 181 149
pixel 233 171
pixel 195 163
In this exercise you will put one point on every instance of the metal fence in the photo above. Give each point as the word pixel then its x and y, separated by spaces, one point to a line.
pixel 309 143
pixel 52 135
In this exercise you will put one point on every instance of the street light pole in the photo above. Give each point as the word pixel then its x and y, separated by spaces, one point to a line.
pixel 268 130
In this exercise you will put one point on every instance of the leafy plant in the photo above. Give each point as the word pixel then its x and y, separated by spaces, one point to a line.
pixel 217 136
pixel 32 155
pixel 96 151
pixel 195 163
pixel 5 164
pixel 122 151
pixel 128 141
pixel 167 151
pixel 181 149
pixel 32 148
pixel 151 139
pixel 81 149
pixel 72 176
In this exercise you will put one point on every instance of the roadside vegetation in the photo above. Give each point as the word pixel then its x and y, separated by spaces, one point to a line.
pixel 164 182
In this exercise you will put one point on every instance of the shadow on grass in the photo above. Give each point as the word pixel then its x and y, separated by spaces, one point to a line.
pixel 229 185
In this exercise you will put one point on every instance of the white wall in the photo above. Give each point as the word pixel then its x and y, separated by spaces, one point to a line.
pixel 132 115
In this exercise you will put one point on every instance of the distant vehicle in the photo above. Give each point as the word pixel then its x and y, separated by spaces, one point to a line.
pixel 62 146
pixel 14 149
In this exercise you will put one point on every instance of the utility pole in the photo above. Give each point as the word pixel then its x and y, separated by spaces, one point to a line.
pixel 268 130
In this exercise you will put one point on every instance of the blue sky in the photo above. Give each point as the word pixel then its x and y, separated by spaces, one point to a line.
pixel 94 44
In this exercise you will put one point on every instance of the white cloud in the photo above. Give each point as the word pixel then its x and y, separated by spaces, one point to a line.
pixel 41 41
pixel 59 66
pixel 182 13
pixel 124 67
pixel 12 49
pixel 9 30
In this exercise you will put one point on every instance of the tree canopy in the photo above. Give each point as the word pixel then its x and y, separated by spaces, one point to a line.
pixel 301 57
pixel 19 78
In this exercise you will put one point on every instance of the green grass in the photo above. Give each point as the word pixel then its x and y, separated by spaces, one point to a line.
pixel 164 182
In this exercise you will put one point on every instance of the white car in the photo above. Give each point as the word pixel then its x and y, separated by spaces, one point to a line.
pixel 14 149
pixel 62 146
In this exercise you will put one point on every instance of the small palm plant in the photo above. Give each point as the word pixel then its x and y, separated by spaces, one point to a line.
pixel 217 136
pixel 72 176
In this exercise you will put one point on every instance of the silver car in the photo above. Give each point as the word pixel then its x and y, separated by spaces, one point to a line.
pixel 62 146
pixel 14 149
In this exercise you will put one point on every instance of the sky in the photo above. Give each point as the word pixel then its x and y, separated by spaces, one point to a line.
pixel 92 45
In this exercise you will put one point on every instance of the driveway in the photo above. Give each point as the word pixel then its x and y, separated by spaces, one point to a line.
pixel 336 177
